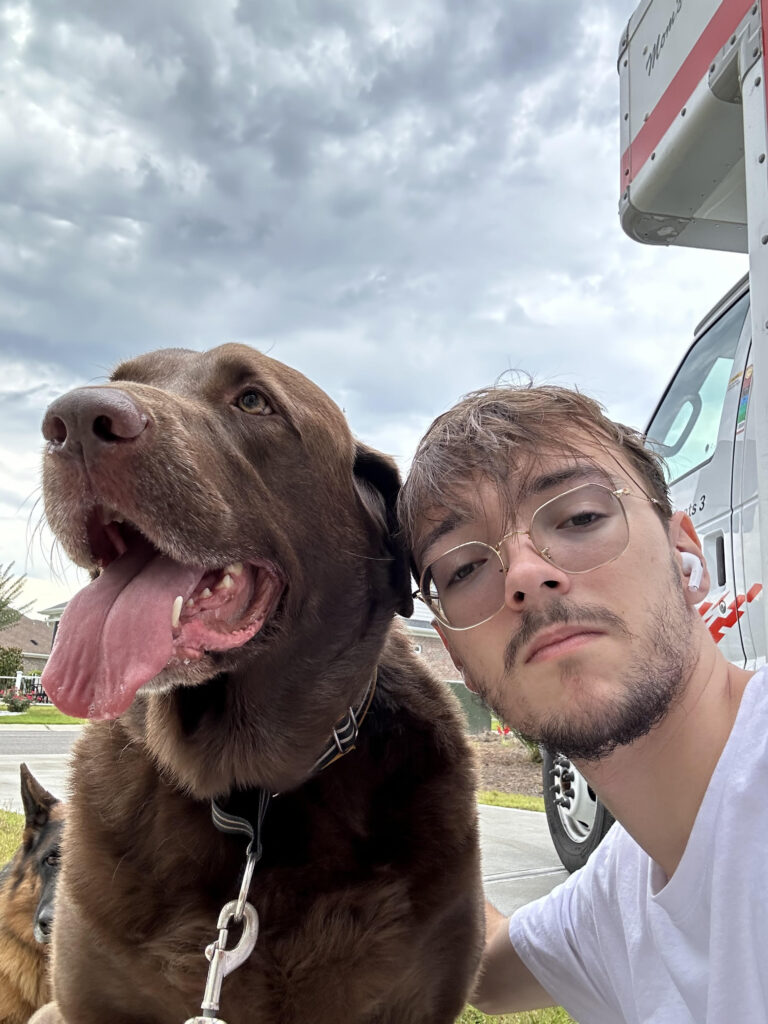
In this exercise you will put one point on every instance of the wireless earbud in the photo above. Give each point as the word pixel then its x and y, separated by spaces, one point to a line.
pixel 693 567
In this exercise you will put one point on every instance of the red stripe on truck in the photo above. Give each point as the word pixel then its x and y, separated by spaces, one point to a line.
pixel 721 27
pixel 731 613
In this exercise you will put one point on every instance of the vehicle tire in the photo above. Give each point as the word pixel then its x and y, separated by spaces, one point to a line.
pixel 576 818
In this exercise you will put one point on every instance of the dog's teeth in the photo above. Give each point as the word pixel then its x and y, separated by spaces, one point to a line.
pixel 225 583
pixel 108 515
pixel 234 568
pixel 206 593
pixel 178 604
pixel 190 603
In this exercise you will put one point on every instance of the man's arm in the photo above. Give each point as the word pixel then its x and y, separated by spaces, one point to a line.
pixel 505 985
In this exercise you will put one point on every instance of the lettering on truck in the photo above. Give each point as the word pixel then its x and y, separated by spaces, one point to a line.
pixel 655 50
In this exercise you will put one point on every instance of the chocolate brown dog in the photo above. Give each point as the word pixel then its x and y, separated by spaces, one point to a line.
pixel 240 630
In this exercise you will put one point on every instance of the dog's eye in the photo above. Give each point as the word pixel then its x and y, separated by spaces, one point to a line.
pixel 254 402
pixel 52 860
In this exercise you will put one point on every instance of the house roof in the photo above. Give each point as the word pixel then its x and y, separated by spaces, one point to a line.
pixel 31 635
pixel 55 611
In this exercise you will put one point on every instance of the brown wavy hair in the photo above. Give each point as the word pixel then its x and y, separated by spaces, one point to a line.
pixel 498 434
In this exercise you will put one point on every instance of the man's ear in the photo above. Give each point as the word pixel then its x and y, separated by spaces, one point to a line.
pixel 454 657
pixel 377 482
pixel 686 542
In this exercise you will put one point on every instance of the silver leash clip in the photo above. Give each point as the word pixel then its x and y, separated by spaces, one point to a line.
pixel 245 886
pixel 223 961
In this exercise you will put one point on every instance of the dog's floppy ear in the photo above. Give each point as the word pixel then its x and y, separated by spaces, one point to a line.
pixel 37 800
pixel 377 481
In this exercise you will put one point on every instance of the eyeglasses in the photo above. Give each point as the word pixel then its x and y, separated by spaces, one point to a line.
pixel 578 531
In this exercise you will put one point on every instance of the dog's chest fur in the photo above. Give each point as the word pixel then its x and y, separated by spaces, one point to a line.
pixel 346 886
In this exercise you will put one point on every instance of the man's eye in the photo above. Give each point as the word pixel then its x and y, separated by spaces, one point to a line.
pixel 581 520
pixel 254 402
pixel 464 572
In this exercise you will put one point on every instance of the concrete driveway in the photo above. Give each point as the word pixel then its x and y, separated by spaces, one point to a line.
pixel 519 860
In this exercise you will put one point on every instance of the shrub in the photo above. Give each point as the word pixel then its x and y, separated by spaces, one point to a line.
pixel 11 661
pixel 17 703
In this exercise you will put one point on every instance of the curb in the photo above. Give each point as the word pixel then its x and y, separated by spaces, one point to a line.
pixel 40 728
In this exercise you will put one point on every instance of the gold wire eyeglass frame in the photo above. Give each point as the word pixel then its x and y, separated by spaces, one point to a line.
pixel 620 493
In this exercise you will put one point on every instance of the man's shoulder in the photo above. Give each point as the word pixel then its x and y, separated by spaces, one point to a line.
pixel 752 711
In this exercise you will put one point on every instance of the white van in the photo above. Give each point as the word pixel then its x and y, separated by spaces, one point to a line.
pixel 694 172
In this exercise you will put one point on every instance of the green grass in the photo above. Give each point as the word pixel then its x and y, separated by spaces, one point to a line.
pixel 518 800
pixel 555 1015
pixel 40 714
pixel 11 826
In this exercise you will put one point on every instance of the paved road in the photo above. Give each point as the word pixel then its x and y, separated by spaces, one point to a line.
pixel 45 750
pixel 29 740
pixel 519 861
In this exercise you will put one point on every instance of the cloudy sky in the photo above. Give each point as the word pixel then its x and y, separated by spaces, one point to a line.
pixel 401 198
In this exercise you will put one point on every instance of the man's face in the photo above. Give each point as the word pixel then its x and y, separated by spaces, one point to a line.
pixel 580 662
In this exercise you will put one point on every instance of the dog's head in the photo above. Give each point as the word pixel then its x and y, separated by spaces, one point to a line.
pixel 38 860
pixel 230 518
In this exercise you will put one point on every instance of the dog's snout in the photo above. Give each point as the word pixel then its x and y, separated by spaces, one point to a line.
pixel 88 416
pixel 44 922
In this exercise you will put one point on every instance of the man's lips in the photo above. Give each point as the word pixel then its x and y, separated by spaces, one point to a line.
pixel 551 643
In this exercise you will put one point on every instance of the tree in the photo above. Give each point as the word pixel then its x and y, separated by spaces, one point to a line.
pixel 10 589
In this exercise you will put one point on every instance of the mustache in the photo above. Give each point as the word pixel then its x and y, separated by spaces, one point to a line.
pixel 560 613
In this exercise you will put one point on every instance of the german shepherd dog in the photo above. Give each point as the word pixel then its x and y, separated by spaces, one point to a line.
pixel 238 641
pixel 27 887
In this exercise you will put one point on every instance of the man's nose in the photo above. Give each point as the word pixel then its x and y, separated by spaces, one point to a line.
pixel 530 576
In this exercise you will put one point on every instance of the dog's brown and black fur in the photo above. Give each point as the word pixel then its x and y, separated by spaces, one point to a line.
pixel 368 890
pixel 27 887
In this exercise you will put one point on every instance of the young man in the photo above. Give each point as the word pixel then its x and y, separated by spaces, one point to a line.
pixel 562 584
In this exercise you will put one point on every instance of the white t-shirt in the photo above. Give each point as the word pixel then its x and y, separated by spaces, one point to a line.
pixel 614 943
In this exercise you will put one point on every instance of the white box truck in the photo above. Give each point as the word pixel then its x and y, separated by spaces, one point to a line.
pixel 694 172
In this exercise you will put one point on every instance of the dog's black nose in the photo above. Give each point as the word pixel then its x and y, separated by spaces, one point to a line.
pixel 93 416
pixel 44 923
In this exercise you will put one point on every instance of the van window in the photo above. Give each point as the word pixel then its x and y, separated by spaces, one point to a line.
pixel 685 427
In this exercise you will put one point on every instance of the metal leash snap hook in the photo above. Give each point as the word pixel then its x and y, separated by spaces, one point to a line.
pixel 223 960
pixel 241 903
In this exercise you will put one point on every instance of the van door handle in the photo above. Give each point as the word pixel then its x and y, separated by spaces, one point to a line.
pixel 720 556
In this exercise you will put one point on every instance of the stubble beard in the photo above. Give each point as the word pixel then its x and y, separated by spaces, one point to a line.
pixel 662 659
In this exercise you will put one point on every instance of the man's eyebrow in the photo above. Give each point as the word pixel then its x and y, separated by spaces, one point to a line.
pixel 450 522
pixel 572 474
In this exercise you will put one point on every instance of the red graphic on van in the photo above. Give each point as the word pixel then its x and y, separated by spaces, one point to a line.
pixel 717 624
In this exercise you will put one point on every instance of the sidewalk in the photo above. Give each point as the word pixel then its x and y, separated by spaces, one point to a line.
pixel 40 728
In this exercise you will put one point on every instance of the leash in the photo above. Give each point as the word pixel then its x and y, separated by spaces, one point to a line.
pixel 222 960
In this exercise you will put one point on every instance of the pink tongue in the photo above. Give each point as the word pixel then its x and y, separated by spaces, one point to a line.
pixel 115 635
